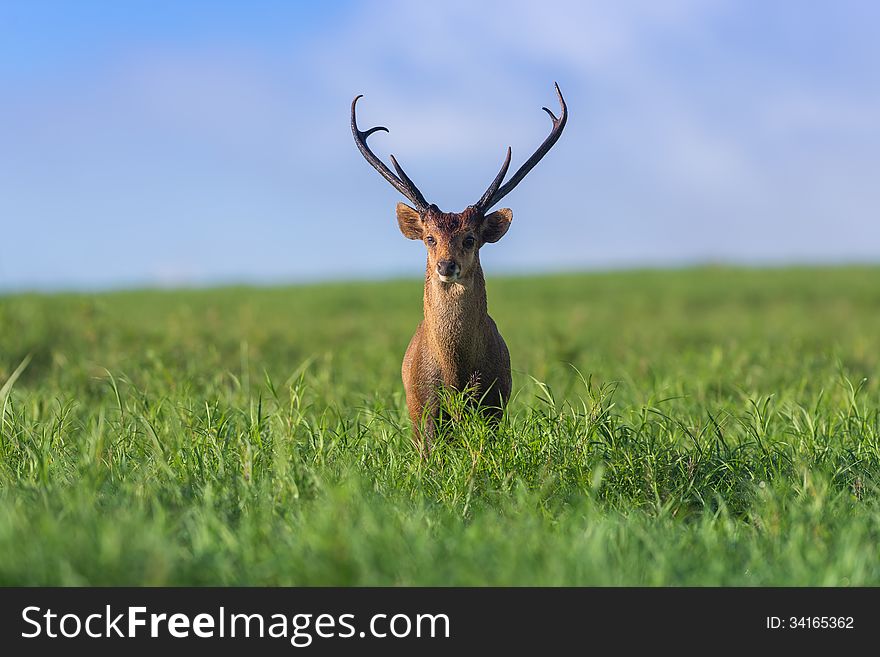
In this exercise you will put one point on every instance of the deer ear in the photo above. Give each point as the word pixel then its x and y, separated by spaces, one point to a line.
pixel 409 221
pixel 496 224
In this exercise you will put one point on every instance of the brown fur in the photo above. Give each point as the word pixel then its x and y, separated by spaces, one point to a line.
pixel 457 345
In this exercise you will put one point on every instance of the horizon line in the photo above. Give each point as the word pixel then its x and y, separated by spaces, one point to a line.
pixel 343 278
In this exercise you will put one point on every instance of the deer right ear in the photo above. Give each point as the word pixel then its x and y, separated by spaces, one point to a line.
pixel 496 224
pixel 410 221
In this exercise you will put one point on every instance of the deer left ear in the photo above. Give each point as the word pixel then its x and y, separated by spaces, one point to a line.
pixel 409 221
pixel 496 224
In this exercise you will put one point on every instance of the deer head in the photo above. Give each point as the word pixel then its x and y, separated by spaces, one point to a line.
pixel 453 239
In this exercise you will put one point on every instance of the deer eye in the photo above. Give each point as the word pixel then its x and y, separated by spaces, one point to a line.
pixel 468 242
pixel 430 240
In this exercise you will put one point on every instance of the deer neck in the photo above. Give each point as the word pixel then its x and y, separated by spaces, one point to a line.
pixel 455 323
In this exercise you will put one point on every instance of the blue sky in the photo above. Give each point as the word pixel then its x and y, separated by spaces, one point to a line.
pixel 151 143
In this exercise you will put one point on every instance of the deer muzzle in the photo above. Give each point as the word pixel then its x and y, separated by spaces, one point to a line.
pixel 448 271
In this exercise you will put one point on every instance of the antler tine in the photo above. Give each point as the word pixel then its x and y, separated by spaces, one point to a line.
pixel 497 194
pixel 403 184
pixel 490 192
pixel 407 181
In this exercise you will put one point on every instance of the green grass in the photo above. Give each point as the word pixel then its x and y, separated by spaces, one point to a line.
pixel 697 427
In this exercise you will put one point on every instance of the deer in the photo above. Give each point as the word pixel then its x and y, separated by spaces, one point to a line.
pixel 457 345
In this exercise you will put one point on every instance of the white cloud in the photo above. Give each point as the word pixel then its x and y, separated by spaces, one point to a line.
pixel 801 113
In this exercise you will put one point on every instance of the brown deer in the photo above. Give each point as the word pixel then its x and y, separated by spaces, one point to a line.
pixel 457 345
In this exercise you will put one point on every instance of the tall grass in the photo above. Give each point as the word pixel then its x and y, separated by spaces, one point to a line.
pixel 707 426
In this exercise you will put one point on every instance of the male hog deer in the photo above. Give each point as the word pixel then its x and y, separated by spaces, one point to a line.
pixel 457 345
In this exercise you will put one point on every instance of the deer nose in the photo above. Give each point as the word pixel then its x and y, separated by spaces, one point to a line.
pixel 447 268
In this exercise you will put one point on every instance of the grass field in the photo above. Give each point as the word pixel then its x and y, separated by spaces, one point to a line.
pixel 696 427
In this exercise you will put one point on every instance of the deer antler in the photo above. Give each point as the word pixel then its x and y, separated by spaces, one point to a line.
pixel 401 181
pixel 495 193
